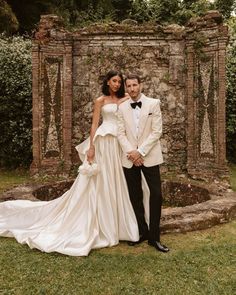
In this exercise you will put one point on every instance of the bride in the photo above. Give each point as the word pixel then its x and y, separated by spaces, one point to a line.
pixel 96 212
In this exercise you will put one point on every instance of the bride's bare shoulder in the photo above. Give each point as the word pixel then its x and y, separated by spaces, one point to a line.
pixel 100 100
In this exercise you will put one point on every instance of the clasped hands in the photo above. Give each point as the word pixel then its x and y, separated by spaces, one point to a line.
pixel 135 157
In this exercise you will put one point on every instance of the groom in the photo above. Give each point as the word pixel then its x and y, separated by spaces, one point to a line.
pixel 139 130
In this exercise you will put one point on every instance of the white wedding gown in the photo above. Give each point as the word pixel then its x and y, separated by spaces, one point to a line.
pixel 96 212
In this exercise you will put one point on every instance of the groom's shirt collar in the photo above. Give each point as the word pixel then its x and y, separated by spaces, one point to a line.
pixel 139 98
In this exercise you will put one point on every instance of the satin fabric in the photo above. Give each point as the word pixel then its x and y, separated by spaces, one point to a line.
pixel 96 212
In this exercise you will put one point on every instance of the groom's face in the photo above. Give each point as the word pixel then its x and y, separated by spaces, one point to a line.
pixel 133 88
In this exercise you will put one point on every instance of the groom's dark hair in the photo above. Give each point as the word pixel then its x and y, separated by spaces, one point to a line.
pixel 133 77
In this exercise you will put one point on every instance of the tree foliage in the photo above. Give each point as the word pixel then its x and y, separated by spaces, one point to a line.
pixel 78 13
pixel 226 7
pixel 28 12
pixel 177 11
pixel 8 21
pixel 231 95
pixel 15 102
pixel 168 11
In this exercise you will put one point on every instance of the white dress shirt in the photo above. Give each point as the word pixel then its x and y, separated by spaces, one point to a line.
pixel 136 117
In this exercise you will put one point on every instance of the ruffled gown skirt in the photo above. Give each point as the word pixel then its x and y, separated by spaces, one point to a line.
pixel 96 212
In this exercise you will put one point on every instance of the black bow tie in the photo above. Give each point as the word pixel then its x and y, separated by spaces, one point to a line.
pixel 134 104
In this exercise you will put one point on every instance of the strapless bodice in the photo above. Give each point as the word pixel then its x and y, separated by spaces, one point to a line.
pixel 109 113
pixel 109 120
pixel 108 127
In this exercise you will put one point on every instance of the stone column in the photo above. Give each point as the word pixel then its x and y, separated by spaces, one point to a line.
pixel 36 108
pixel 206 53
pixel 52 98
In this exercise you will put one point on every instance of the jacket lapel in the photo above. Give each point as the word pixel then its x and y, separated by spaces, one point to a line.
pixel 130 118
pixel 143 115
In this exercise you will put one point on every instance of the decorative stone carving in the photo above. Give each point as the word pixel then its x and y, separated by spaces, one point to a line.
pixel 206 107
pixel 206 103
pixel 52 108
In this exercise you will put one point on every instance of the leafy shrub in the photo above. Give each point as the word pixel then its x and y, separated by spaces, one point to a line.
pixel 15 102
pixel 231 99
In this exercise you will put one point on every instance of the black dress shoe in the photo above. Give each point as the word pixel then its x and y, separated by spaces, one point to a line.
pixel 158 246
pixel 141 239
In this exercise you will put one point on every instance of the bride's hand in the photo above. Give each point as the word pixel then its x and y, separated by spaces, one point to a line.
pixel 90 155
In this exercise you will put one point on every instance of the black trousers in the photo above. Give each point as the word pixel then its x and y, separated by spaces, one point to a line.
pixel 134 182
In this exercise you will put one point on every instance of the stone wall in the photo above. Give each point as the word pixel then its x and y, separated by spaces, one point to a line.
pixel 183 66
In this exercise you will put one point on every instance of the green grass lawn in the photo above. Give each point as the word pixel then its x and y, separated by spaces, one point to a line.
pixel 8 179
pixel 233 176
pixel 200 262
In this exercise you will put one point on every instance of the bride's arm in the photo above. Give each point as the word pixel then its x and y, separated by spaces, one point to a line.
pixel 95 121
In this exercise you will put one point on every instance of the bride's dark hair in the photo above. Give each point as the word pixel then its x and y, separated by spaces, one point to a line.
pixel 105 88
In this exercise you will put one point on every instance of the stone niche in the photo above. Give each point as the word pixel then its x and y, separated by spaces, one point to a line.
pixel 183 66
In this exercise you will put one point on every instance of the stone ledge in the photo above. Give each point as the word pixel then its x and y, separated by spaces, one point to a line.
pixel 199 216
pixel 52 27
pixel 219 209
pixel 21 192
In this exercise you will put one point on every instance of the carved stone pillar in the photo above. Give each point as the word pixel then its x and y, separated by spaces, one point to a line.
pixel 206 153
pixel 52 101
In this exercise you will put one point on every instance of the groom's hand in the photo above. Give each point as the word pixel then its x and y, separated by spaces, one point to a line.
pixel 138 162
pixel 135 157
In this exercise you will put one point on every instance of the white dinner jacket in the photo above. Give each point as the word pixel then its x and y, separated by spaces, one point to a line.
pixel 149 131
